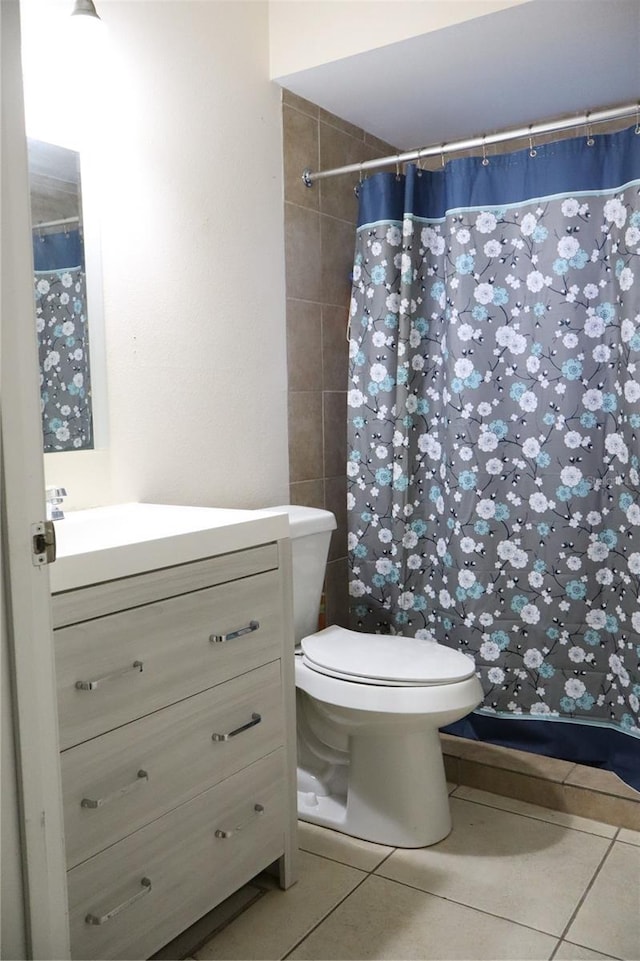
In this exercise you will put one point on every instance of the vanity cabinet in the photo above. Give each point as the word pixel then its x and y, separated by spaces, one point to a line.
pixel 177 731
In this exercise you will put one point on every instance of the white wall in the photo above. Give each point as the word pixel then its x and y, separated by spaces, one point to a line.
pixel 188 151
pixel 193 254
pixel 306 33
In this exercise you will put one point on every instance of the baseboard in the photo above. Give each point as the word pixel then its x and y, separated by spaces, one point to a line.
pixel 552 783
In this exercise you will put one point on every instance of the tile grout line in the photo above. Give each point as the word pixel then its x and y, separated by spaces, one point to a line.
pixel 346 864
pixel 317 303
pixel 317 210
pixel 463 904
pixel 378 145
pixel 327 915
pixel 532 817
pixel 471 907
pixel 629 844
pixel 586 891
pixel 561 941
pixel 367 874
pixel 328 123
pixel 547 780
pixel 562 784
pixel 374 873
pixel 385 859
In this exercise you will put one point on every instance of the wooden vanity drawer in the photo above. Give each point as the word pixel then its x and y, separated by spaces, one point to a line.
pixel 109 597
pixel 114 669
pixel 116 783
pixel 186 868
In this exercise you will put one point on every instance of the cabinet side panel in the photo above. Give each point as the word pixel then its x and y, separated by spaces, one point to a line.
pixel 288 866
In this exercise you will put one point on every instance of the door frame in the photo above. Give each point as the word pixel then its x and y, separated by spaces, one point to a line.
pixel 27 590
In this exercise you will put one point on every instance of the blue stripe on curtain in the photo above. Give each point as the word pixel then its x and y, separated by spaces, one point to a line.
pixel 58 251
pixel 598 747
pixel 568 166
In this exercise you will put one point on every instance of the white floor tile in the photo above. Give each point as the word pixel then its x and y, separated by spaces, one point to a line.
pixel 609 919
pixel 271 927
pixel 574 952
pixel 519 868
pixel 341 847
pixel 536 811
pixel 383 920
pixel 629 837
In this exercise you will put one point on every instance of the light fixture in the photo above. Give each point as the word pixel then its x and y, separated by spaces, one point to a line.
pixel 87 29
pixel 86 35
pixel 85 8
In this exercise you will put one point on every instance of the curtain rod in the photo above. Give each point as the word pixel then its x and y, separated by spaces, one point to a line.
pixel 56 223
pixel 599 116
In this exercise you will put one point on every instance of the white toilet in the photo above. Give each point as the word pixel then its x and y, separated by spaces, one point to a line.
pixel 368 711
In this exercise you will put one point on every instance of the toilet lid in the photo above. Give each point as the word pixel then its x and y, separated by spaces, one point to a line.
pixel 381 659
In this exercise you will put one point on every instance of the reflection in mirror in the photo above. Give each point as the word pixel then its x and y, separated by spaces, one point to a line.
pixel 60 297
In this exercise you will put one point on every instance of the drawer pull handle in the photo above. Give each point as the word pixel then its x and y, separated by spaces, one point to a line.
pixel 255 719
pixel 92 685
pixel 221 638
pixel 257 808
pixel 95 919
pixel 88 802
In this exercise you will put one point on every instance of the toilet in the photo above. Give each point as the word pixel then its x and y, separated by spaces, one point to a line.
pixel 368 711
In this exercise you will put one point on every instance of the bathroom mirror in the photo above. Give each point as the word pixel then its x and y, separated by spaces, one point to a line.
pixel 67 297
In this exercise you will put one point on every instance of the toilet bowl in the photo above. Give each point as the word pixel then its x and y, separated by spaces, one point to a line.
pixel 383 779
pixel 368 711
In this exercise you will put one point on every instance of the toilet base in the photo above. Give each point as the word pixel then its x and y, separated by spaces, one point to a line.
pixel 396 792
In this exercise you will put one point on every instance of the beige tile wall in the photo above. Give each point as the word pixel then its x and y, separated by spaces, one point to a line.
pixel 319 246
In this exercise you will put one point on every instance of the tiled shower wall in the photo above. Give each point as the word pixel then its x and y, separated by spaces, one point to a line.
pixel 319 245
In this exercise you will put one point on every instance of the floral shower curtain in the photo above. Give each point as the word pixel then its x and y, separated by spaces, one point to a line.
pixel 63 341
pixel 494 424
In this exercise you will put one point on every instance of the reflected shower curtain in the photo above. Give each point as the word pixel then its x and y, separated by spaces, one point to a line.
pixel 494 425
pixel 63 341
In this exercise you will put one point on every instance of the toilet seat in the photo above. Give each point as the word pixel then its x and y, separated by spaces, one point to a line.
pixel 389 661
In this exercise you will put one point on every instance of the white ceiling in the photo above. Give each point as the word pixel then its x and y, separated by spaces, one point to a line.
pixel 526 64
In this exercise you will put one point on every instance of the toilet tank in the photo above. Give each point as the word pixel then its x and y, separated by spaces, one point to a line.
pixel 310 531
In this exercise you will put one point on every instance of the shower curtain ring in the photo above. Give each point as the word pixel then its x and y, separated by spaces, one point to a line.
pixel 398 175
pixel 638 118
pixel 485 159
pixel 590 140
pixel 532 150
pixel 442 160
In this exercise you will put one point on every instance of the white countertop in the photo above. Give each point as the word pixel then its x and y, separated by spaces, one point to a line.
pixel 105 543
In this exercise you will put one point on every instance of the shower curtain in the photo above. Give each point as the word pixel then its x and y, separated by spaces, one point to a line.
pixel 493 435
pixel 63 341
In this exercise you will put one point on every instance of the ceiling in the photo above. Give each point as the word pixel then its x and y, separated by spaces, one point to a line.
pixel 529 63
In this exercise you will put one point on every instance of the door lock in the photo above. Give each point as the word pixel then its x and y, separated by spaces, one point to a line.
pixel 43 540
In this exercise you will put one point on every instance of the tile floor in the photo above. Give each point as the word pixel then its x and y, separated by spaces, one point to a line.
pixel 512 881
